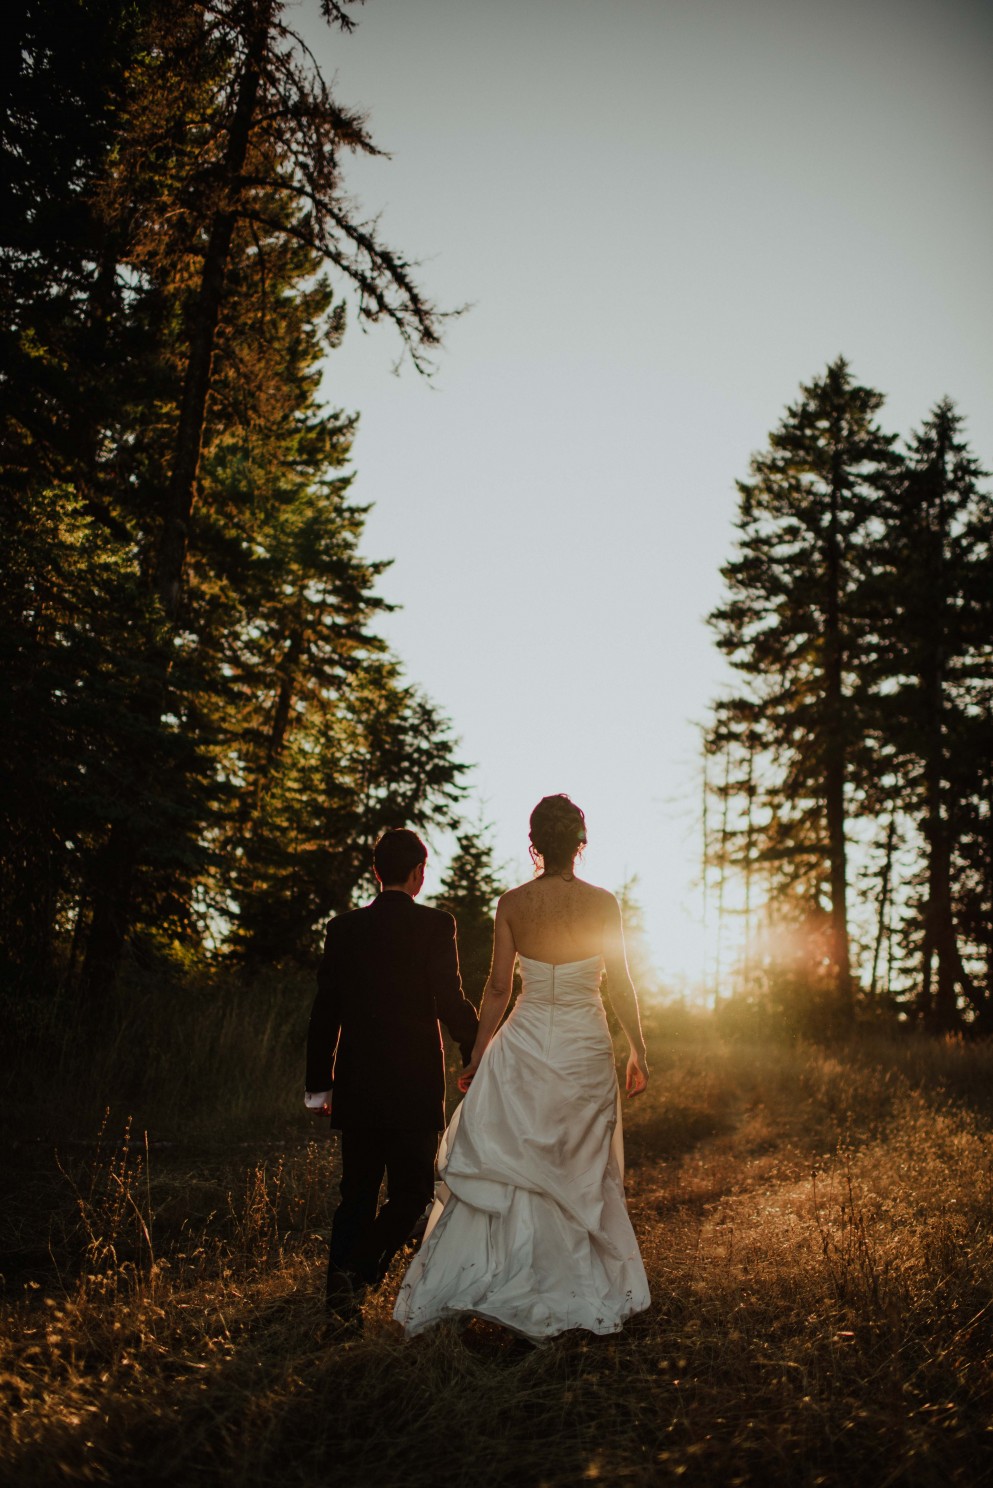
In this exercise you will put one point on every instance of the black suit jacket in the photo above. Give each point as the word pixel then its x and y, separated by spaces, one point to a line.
pixel 389 972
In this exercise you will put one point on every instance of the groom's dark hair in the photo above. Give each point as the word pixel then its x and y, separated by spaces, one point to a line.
pixel 397 853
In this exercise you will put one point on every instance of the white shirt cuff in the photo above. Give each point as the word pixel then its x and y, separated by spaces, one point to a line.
pixel 315 1100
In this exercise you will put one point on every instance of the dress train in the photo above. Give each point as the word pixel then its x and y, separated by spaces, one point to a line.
pixel 530 1228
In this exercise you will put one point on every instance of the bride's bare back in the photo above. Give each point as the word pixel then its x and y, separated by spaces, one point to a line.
pixel 558 919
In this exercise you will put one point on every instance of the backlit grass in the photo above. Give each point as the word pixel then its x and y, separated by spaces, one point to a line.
pixel 818 1232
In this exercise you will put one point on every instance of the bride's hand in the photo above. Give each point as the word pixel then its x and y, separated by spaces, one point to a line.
pixel 465 1079
pixel 637 1073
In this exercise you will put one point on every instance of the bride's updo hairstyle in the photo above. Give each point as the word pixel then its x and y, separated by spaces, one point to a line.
pixel 558 831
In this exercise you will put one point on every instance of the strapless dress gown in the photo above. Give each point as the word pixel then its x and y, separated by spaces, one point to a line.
pixel 529 1227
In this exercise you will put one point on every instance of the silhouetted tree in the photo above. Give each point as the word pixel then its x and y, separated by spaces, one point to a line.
pixel 860 614
pixel 66 577
pixel 927 596
pixel 188 625
pixel 789 623
pixel 470 889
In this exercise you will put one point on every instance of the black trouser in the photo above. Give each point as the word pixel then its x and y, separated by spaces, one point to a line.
pixel 363 1241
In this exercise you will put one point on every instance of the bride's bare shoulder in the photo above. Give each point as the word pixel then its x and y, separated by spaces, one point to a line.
pixel 520 895
pixel 593 891
pixel 533 897
pixel 602 902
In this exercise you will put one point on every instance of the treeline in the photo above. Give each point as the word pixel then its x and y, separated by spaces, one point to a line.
pixel 850 775
pixel 201 731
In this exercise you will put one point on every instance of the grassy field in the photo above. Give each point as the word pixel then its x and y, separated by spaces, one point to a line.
pixel 817 1228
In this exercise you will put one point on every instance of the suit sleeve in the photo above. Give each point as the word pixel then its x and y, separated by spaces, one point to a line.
pixel 453 1007
pixel 325 1018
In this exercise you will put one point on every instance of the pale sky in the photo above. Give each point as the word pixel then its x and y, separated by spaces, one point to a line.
pixel 665 215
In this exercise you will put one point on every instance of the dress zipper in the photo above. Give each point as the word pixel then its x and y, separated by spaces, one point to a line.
pixel 551 1017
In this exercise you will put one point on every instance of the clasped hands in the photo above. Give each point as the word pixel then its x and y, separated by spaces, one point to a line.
pixel 465 1079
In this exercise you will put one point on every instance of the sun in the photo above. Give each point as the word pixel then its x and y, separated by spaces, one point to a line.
pixel 692 958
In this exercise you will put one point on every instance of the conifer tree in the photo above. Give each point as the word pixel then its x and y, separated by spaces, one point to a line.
pixel 231 143
pixel 65 581
pixel 927 598
pixel 188 632
pixel 377 752
pixel 470 889
pixel 790 626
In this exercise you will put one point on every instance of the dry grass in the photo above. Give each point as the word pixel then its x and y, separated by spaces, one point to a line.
pixel 818 1233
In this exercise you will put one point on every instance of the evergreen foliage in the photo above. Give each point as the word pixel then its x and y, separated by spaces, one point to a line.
pixel 470 889
pixel 928 597
pixel 858 615
pixel 205 731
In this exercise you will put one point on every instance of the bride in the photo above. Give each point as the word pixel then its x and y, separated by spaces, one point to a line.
pixel 530 1228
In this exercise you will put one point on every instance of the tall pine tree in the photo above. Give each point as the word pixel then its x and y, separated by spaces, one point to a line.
pixel 231 140
pixel 927 601
pixel 470 889
pixel 790 625
pixel 188 627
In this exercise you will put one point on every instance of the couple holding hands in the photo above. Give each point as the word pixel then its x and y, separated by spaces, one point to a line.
pixel 529 1226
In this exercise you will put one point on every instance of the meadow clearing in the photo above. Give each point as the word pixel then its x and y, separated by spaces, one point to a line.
pixel 817 1226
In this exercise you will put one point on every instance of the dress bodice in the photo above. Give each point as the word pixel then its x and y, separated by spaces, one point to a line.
pixel 563 982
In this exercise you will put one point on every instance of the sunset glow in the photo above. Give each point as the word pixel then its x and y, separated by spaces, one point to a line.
pixel 594 408
pixel 454 454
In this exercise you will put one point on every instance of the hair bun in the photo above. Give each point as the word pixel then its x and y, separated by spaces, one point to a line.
pixel 558 830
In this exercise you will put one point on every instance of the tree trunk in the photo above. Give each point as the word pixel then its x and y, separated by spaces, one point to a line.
pixel 884 901
pixel 940 938
pixel 835 756
pixel 749 851
pixel 284 699
pixel 986 1015
pixel 723 862
pixel 173 545
pixel 279 726
pixel 943 1011
pixel 925 997
pixel 113 889
pixel 76 944
pixel 705 864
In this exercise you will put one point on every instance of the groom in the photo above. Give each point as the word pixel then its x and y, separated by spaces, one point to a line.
pixel 389 972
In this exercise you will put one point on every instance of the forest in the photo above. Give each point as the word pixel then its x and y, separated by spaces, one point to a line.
pixel 850 770
pixel 204 733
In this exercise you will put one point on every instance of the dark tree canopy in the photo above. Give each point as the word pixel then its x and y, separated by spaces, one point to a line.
pixel 206 733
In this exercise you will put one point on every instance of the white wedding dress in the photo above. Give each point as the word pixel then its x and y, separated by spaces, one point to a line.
pixel 530 1228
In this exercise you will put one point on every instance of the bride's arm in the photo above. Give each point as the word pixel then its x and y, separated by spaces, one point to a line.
pixel 623 997
pixel 496 993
